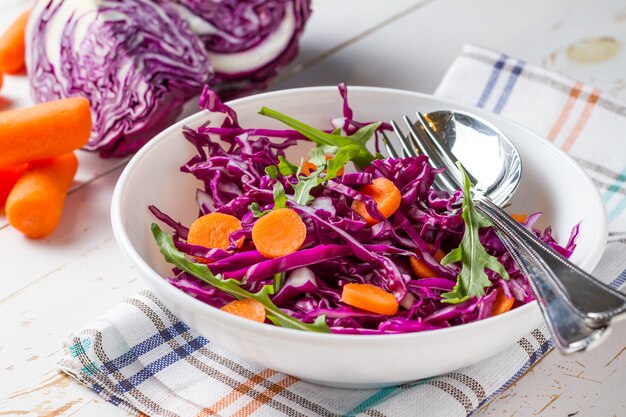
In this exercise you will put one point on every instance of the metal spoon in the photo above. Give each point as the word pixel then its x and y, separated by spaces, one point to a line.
pixel 576 306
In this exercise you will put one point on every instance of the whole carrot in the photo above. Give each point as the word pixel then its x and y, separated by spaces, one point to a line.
pixel 13 45
pixel 35 203
pixel 43 131
pixel 8 178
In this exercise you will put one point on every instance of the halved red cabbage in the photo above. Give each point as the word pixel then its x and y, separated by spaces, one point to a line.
pixel 137 62
pixel 248 41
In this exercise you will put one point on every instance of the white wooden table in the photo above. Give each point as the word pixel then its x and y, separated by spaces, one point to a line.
pixel 52 286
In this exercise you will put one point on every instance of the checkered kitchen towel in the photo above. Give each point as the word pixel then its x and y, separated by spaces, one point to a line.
pixel 140 357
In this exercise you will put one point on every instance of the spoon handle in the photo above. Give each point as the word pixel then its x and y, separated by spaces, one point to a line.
pixel 595 301
pixel 569 329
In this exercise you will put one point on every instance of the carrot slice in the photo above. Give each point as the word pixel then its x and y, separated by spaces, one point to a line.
pixel 35 203
pixel 8 178
pixel 13 45
pixel 520 218
pixel 212 231
pixel 309 167
pixel 278 233
pixel 247 308
pixel 502 304
pixel 369 297
pixel 420 267
pixel 386 195
pixel 43 131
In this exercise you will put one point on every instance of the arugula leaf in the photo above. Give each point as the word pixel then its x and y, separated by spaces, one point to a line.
pixel 343 155
pixel 231 286
pixel 360 137
pixel 285 167
pixel 256 210
pixel 302 190
pixel 280 198
pixel 472 279
pixel 272 171
pixel 278 280
pixel 317 156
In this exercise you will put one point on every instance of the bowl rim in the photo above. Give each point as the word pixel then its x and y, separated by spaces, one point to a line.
pixel 589 261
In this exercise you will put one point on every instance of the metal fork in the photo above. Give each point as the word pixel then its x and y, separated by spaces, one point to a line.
pixel 574 321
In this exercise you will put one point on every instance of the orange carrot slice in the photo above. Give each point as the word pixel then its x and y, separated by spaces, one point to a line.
pixel 278 233
pixel 43 131
pixel 8 178
pixel 247 308
pixel 212 231
pixel 35 203
pixel 386 195
pixel 502 304
pixel 520 218
pixel 369 297
pixel 420 267
pixel 13 45
pixel 309 167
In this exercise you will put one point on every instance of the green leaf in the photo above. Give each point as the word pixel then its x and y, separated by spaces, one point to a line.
pixel 340 159
pixel 360 137
pixel 302 190
pixel 317 156
pixel 278 281
pixel 285 167
pixel 280 198
pixel 256 210
pixel 271 171
pixel 472 279
pixel 231 286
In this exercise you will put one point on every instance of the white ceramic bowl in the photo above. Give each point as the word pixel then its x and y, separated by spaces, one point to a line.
pixel 551 183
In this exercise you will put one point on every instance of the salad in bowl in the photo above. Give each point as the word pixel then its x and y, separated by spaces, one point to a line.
pixel 325 260
pixel 344 240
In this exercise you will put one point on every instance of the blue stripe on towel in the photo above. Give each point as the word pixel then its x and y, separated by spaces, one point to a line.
pixel 495 73
pixel 144 347
pixel 508 88
pixel 160 364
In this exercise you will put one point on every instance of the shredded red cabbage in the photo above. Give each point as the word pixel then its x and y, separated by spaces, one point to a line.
pixel 340 247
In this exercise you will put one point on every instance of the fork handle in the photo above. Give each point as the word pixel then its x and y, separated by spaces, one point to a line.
pixel 569 330
pixel 595 301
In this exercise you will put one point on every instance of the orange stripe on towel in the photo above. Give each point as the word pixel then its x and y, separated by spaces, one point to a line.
pixel 573 96
pixel 591 102
pixel 238 392
pixel 264 398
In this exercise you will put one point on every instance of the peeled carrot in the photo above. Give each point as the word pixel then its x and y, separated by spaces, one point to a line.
pixel 421 268
pixel 278 233
pixel 35 203
pixel 520 218
pixel 8 178
pixel 385 194
pixel 212 231
pixel 43 131
pixel 13 45
pixel 369 297
pixel 247 308
pixel 502 304
pixel 309 167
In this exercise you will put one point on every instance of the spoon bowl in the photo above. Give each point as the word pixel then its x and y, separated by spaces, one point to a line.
pixel 484 150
